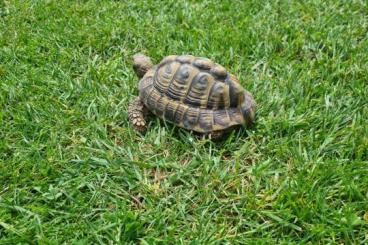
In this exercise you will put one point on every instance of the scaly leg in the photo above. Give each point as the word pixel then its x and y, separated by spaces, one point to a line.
pixel 137 113
pixel 215 135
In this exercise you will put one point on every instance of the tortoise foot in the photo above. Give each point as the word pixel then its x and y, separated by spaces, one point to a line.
pixel 137 114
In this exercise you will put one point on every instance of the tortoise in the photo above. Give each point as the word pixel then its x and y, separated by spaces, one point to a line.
pixel 194 93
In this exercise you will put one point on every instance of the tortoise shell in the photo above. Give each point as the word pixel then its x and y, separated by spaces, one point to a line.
pixel 197 94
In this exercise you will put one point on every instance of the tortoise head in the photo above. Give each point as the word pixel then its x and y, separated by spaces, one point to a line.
pixel 141 64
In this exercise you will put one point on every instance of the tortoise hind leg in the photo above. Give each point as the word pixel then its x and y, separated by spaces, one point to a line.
pixel 137 113
pixel 215 135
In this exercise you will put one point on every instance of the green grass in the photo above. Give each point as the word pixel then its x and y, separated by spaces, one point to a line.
pixel 73 171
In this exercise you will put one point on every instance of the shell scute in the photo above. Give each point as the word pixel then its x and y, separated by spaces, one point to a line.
pixel 205 121
pixel 164 75
pixel 198 92
pixel 219 71
pixel 170 111
pixel 191 117
pixel 220 117
pixel 161 106
pixel 203 63
pixel 169 58
pixel 218 96
pixel 185 58
pixel 179 113
pixel 181 83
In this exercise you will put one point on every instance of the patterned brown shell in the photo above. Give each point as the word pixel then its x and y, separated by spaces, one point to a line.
pixel 197 94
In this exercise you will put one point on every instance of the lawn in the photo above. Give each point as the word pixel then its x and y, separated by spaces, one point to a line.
pixel 73 171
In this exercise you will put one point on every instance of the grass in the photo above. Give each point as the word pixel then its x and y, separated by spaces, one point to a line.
pixel 72 170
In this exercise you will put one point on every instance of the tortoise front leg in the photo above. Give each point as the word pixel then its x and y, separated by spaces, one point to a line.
pixel 137 113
